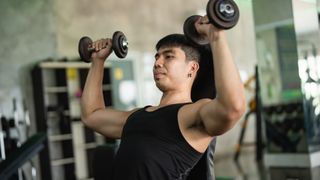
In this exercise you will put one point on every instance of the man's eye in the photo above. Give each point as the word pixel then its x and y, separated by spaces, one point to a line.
pixel 169 57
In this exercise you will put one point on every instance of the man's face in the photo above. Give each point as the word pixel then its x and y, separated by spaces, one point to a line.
pixel 170 70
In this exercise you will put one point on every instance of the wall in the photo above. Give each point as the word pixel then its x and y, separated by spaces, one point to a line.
pixel 27 35
pixel 143 21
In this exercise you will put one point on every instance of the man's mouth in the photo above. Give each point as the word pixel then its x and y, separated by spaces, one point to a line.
pixel 158 74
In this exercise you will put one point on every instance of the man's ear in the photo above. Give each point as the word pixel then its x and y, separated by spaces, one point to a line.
pixel 194 66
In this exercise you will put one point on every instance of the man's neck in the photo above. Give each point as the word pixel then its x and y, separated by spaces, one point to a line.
pixel 175 97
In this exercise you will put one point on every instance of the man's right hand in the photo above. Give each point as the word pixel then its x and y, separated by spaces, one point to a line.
pixel 103 48
pixel 203 27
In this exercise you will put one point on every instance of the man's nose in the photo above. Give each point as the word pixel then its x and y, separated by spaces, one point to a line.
pixel 158 63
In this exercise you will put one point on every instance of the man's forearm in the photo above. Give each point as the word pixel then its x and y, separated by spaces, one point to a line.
pixel 230 91
pixel 92 97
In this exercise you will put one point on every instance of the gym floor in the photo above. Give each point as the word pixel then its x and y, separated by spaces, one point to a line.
pixel 246 169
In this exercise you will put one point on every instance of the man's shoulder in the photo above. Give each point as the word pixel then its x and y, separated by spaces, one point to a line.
pixel 192 110
pixel 196 105
pixel 203 101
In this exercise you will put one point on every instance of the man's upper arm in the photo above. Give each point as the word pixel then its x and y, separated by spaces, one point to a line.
pixel 216 118
pixel 108 122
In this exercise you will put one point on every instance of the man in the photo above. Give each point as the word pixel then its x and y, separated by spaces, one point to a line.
pixel 164 142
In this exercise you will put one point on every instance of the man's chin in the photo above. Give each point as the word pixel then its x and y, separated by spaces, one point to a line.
pixel 159 85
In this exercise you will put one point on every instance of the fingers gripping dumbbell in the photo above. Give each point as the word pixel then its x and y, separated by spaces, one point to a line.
pixel 223 14
pixel 119 46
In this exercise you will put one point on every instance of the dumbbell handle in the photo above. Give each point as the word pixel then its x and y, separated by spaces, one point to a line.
pixel 91 49
pixel 124 43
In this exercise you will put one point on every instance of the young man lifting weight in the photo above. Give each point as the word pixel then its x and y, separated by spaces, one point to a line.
pixel 164 142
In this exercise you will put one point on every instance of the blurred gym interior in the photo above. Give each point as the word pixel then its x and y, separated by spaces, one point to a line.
pixel 275 45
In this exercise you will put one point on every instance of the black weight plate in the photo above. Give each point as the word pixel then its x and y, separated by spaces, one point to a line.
pixel 191 33
pixel 217 20
pixel 83 46
pixel 117 42
pixel 123 47
pixel 225 16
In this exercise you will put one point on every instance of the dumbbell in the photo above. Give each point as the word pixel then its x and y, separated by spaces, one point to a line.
pixel 119 46
pixel 223 14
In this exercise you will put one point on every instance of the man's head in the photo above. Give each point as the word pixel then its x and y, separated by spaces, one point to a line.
pixel 193 57
pixel 176 63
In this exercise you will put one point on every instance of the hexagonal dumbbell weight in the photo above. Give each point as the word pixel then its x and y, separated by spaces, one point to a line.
pixel 119 46
pixel 223 14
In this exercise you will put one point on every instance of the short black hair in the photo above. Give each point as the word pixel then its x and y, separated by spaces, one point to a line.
pixel 179 40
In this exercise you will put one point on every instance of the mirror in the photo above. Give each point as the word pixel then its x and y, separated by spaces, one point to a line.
pixel 280 84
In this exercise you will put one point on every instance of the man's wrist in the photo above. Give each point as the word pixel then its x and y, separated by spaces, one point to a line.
pixel 97 61
pixel 217 37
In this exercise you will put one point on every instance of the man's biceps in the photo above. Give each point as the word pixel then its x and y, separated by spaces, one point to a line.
pixel 207 110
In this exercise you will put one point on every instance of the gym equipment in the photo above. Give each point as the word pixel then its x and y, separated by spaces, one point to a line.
pixel 119 46
pixel 20 156
pixel 223 14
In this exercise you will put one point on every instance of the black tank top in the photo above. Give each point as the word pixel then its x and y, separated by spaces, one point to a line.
pixel 153 148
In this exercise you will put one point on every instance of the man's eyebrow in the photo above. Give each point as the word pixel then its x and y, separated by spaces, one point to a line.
pixel 164 52
pixel 168 51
